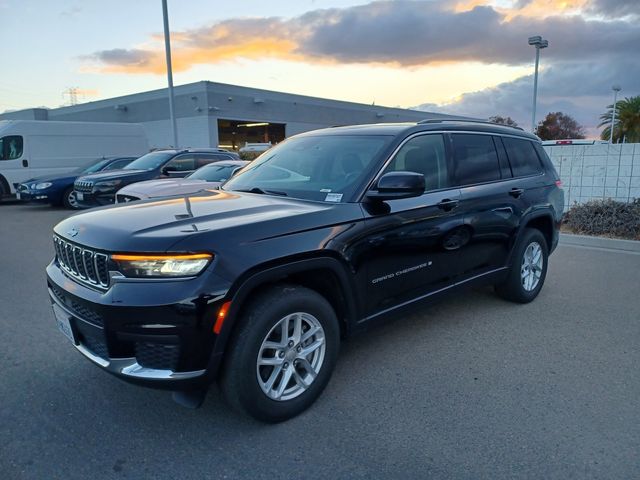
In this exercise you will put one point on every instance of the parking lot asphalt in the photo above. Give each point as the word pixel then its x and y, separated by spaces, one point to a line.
pixel 472 387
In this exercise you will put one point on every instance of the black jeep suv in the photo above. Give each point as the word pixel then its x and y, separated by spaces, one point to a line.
pixel 321 236
pixel 100 188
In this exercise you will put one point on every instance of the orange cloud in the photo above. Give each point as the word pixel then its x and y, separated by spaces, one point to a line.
pixel 533 8
pixel 184 58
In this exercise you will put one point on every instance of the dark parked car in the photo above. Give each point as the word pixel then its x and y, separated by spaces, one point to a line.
pixel 208 177
pixel 322 236
pixel 58 189
pixel 100 189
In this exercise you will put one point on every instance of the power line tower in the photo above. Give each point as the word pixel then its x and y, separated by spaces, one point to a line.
pixel 72 92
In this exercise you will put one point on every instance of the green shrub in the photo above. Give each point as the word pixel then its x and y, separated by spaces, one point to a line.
pixel 605 217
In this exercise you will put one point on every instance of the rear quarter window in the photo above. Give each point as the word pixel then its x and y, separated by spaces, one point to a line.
pixel 522 157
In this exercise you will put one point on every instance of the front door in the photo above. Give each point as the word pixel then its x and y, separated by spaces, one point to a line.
pixel 410 246
pixel 14 165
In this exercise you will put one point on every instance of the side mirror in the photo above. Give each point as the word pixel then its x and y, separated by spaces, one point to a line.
pixel 394 185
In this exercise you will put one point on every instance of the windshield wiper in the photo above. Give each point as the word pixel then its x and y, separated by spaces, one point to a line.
pixel 261 191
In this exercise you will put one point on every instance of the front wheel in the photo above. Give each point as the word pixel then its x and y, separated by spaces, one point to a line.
pixel 69 199
pixel 528 270
pixel 282 354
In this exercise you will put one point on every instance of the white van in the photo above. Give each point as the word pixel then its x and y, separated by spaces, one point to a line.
pixel 255 147
pixel 31 148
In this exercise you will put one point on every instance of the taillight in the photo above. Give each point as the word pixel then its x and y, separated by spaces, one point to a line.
pixel 559 183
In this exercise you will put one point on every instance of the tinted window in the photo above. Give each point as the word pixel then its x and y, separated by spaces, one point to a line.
pixel 10 147
pixel 522 157
pixel 426 155
pixel 475 159
pixel 205 159
pixel 92 167
pixel 318 167
pixel 182 163
pixel 149 161
pixel 119 164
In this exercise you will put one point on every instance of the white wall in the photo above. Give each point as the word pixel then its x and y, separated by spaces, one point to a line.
pixel 597 171
pixel 192 132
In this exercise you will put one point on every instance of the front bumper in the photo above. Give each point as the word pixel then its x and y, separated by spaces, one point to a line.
pixel 90 200
pixel 27 195
pixel 155 334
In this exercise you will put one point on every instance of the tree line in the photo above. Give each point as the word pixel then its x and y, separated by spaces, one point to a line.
pixel 559 125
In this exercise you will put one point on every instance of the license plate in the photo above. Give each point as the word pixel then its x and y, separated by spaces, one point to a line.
pixel 62 319
pixel 18 196
pixel 80 196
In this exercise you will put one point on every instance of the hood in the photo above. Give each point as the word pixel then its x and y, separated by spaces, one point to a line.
pixel 67 177
pixel 126 175
pixel 162 188
pixel 155 226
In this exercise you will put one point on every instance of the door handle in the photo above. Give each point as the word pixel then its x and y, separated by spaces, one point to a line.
pixel 447 204
pixel 516 192
pixel 25 163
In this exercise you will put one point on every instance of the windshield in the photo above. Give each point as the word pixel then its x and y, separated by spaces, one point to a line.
pixel 149 161
pixel 327 168
pixel 214 172
pixel 92 167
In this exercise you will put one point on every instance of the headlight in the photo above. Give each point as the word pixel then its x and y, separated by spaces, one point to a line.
pixel 106 186
pixel 42 186
pixel 162 265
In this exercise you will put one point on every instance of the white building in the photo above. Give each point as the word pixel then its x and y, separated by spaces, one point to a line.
pixel 215 114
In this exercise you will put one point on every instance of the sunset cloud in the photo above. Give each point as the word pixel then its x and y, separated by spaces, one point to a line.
pixel 404 33
pixel 592 43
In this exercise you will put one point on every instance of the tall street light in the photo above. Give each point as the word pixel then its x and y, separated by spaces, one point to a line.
pixel 539 43
pixel 167 50
pixel 616 89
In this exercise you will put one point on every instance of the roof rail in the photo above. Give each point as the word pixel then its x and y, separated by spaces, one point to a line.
pixel 460 120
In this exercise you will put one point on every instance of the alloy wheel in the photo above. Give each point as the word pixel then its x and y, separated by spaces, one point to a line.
pixel 291 356
pixel 531 268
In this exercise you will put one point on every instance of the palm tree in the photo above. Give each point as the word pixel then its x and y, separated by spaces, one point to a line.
pixel 627 123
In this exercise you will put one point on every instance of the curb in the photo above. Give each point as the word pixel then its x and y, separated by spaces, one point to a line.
pixel 600 242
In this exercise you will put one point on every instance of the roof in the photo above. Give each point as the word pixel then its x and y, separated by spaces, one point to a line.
pixel 428 125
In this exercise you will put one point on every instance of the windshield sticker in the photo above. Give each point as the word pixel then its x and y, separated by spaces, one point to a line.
pixel 333 197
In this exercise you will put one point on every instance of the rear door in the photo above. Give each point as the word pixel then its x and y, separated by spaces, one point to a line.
pixel 179 166
pixel 490 202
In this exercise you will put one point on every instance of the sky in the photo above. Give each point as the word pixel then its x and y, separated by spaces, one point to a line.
pixel 466 57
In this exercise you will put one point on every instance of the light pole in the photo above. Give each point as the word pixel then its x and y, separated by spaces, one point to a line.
pixel 616 89
pixel 167 50
pixel 539 43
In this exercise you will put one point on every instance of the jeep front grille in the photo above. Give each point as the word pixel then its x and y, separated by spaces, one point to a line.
pixel 86 265
pixel 85 187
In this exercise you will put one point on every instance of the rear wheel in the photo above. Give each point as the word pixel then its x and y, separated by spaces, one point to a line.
pixel 528 270
pixel 69 199
pixel 282 354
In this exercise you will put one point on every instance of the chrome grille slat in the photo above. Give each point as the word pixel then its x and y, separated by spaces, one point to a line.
pixel 77 260
pixel 86 265
pixel 85 187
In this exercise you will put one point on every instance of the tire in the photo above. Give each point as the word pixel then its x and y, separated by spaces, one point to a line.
pixel 526 275
pixel 252 386
pixel 69 199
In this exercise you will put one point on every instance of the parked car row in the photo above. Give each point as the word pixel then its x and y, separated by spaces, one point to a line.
pixel 124 179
